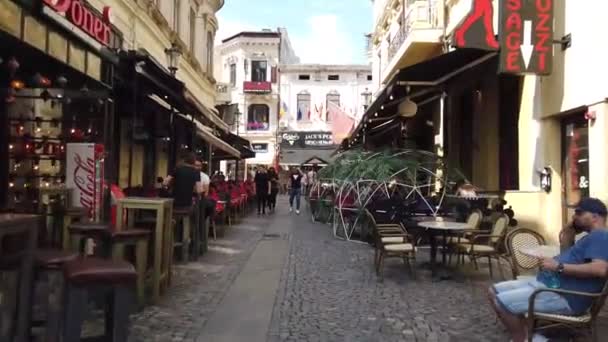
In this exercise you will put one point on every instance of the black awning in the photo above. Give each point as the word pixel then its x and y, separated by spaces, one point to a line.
pixel 306 156
pixel 422 83
pixel 241 144
pixel 152 78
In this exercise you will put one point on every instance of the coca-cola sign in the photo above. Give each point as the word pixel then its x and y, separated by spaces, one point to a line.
pixel 79 14
pixel 84 176
pixel 84 179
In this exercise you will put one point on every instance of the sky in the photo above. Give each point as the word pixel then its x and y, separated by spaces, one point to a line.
pixel 321 31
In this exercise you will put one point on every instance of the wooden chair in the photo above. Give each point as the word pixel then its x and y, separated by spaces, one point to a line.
pixel 517 240
pixel 485 245
pixel 588 320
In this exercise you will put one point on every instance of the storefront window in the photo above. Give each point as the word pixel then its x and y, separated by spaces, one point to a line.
pixel 575 155
pixel 258 118
pixel 334 98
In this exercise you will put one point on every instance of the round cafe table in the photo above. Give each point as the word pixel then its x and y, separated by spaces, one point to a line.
pixel 441 228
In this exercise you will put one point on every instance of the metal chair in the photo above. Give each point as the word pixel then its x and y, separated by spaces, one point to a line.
pixel 476 248
pixel 588 320
pixel 517 240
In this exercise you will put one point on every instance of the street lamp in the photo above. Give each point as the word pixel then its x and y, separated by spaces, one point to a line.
pixel 174 53
pixel 367 98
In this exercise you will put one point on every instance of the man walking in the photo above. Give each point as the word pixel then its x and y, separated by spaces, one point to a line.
pixel 262 189
pixel 295 190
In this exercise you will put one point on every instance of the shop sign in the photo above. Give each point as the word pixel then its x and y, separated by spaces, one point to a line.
pixel 526 28
pixel 261 148
pixel 83 18
pixel 525 35
pixel 307 139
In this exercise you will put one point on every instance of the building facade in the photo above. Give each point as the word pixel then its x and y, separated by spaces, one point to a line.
pixel 539 140
pixel 248 65
pixel 320 100
pixel 105 74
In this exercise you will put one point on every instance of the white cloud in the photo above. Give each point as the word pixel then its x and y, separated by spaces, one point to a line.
pixel 326 42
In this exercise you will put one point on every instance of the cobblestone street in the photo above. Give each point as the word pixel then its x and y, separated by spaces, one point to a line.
pixel 327 292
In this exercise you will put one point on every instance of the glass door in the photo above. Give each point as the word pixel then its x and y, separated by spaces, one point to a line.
pixel 575 162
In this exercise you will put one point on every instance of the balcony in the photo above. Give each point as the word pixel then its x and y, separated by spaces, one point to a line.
pixel 417 38
pixel 223 93
pixel 257 87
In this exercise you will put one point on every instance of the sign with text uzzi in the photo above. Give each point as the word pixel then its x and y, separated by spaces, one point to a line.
pixel 306 139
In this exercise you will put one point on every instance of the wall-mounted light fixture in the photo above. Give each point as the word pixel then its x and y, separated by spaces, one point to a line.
pixel 545 179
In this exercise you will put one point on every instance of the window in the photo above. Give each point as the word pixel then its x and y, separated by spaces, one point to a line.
pixel 176 8
pixel 258 117
pixel 303 106
pixel 333 97
pixel 304 77
pixel 192 20
pixel 258 71
pixel 233 74
pixel 369 77
pixel 333 77
pixel 209 53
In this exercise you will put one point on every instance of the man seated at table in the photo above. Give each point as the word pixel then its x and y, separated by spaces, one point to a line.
pixel 583 267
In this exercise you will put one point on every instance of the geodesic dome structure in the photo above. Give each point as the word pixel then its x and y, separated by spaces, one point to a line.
pixel 415 181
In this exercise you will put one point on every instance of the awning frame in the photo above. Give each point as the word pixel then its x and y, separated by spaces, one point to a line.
pixel 207 134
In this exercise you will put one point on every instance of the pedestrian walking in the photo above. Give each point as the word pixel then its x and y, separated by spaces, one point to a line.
pixel 262 189
pixel 295 190
pixel 273 177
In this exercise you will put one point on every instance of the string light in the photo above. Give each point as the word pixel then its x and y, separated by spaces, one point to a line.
pixel 10 147
pixel 11 185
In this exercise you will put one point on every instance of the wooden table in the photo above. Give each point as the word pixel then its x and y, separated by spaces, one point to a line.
pixel 28 225
pixel 442 227
pixel 163 234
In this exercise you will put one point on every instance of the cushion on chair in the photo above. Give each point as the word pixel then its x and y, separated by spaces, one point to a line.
pixel 400 247
pixel 52 257
pixel 477 248
pixel 393 239
pixel 454 239
pixel 562 318
pixel 93 271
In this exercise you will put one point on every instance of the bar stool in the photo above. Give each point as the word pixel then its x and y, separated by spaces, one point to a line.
pixel 71 215
pixel 85 276
pixel 113 244
pixel 49 264
pixel 182 215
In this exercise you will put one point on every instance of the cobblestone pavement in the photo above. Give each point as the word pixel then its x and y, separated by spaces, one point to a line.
pixel 330 293
pixel 197 288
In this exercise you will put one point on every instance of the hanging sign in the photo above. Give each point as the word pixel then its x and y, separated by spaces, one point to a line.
pixel 83 18
pixel 525 38
pixel 307 139
pixel 526 30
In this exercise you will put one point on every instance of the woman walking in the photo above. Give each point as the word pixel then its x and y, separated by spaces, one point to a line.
pixel 262 189
pixel 274 189
pixel 295 190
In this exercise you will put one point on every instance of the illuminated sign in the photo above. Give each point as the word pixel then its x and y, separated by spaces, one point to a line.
pixel 526 30
pixel 77 13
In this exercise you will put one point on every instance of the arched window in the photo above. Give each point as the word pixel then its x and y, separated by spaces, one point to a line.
pixel 332 98
pixel 303 106
pixel 258 117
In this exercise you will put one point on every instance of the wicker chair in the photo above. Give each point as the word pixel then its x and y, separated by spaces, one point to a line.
pixel 517 240
pixel 476 248
pixel 391 241
pixel 540 321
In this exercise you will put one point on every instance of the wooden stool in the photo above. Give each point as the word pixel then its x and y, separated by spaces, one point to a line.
pixel 113 245
pixel 71 215
pixel 49 263
pixel 88 275
pixel 183 215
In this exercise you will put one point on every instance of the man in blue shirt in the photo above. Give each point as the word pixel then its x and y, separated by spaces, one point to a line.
pixel 582 267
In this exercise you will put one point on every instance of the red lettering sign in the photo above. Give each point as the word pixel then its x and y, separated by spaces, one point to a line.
pixel 84 177
pixel 526 30
pixel 97 27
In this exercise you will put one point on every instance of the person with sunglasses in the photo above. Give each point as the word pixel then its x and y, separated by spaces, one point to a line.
pixel 582 266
